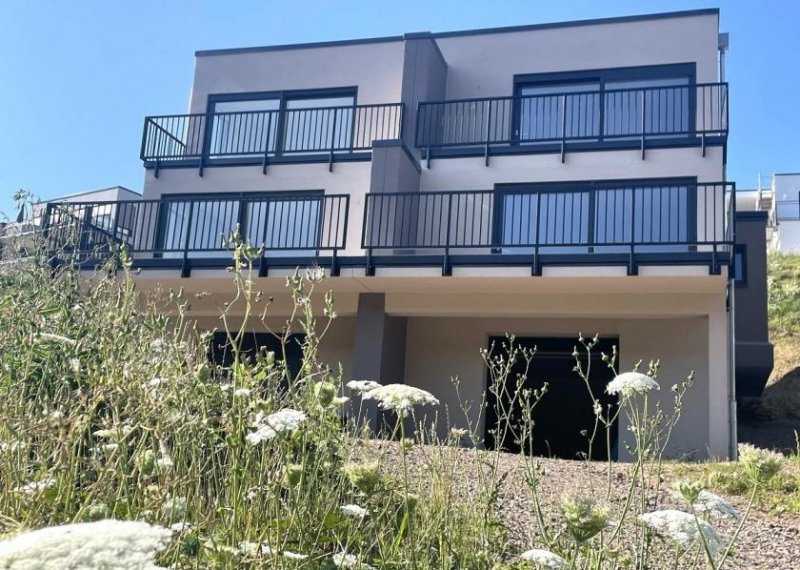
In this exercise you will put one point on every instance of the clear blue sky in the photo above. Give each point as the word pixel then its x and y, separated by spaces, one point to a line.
pixel 77 77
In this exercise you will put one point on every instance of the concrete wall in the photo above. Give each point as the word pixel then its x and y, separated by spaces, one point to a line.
pixel 376 69
pixel 439 349
pixel 424 78
pixel 484 65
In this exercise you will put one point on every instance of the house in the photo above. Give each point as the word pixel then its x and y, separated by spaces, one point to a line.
pixel 539 180
pixel 779 197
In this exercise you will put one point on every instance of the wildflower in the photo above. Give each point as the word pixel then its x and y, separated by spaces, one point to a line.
pixel 174 507
pixel 340 400
pixel 242 393
pixel 344 560
pixel 124 545
pixel 165 463
pixel 353 511
pixel 35 486
pixel 704 501
pixel 584 518
pixel 683 529
pixel 400 398
pixel 628 384
pixel 325 392
pixel 56 415
pixel 761 464
pixel 363 476
pixel 286 420
pixel 156 382
pixel 57 338
pixel 181 526
pixel 544 558
pixel 458 433
pixel 362 386
pixel 115 434
pixel 293 555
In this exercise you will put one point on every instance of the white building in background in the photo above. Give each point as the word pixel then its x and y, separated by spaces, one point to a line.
pixel 538 180
pixel 779 196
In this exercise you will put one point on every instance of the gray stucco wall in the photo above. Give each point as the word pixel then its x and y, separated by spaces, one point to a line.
pixel 424 78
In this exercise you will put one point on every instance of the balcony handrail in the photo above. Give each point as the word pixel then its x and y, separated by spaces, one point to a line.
pixel 575 116
pixel 271 132
pixel 283 222
pixel 623 217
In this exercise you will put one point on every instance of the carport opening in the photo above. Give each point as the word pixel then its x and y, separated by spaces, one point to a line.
pixel 253 343
pixel 564 412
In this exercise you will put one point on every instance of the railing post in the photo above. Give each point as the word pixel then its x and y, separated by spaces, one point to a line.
pixel 446 270
pixel 563 128
pixel 536 269
pixel 333 139
pixel 632 269
pixel 185 265
pixel 46 221
pixel 269 136
pixel 488 132
pixel 207 129
pixel 644 116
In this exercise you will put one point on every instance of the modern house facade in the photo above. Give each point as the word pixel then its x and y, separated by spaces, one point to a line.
pixel 779 197
pixel 538 180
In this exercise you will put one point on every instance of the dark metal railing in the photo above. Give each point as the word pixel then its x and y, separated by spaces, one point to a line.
pixel 268 134
pixel 638 217
pixel 296 225
pixel 698 110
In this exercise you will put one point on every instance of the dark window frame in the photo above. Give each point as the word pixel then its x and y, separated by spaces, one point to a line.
pixel 501 190
pixel 740 260
pixel 601 76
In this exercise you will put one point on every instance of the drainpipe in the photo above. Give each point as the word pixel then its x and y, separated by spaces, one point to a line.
pixel 733 444
pixel 723 45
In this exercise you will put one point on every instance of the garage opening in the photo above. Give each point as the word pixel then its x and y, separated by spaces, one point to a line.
pixel 565 410
pixel 221 352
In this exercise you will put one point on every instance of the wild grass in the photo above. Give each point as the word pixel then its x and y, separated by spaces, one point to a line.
pixel 109 409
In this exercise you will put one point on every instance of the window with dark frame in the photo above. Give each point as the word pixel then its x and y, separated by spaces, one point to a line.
pixel 740 265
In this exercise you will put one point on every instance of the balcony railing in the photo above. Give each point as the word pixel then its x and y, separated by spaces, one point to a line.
pixel 266 135
pixel 670 115
pixel 184 229
pixel 787 210
pixel 631 221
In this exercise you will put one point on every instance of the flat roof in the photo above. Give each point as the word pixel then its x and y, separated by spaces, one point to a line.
pixel 478 31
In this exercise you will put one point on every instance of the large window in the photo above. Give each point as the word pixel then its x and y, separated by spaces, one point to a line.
pixel 605 104
pixel 596 217
pixel 287 122
pixel 285 224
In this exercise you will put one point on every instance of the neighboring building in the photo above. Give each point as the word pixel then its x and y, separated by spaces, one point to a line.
pixel 780 198
pixel 537 180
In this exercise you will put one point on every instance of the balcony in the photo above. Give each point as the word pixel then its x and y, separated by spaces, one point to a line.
pixel 628 224
pixel 189 232
pixel 625 223
pixel 635 118
pixel 273 136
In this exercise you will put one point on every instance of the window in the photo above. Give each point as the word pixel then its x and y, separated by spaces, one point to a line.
pixel 740 265
pixel 259 124
pixel 605 104
pixel 285 224
pixel 605 217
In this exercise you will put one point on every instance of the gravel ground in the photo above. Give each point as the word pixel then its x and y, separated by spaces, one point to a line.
pixel 766 541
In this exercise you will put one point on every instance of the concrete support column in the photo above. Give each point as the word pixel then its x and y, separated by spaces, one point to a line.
pixel 719 381
pixel 380 347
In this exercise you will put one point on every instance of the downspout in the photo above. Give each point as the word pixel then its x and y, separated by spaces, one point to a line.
pixel 733 442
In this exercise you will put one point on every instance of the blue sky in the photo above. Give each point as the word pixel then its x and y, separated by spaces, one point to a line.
pixel 77 78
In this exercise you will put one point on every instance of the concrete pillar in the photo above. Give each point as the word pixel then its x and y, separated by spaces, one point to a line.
pixel 380 347
pixel 719 371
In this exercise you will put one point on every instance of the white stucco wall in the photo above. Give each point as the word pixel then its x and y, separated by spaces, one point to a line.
pixel 374 68
pixel 484 65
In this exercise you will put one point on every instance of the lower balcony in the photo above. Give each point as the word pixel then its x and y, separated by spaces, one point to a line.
pixel 624 224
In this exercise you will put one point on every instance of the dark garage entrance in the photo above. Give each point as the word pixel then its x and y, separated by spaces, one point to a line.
pixel 253 343
pixel 564 411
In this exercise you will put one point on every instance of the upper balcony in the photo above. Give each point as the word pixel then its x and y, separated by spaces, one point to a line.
pixel 329 133
pixel 557 119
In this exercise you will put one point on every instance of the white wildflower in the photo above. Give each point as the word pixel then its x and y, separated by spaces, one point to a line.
pixel 362 386
pixel 714 505
pixel 760 464
pixel 115 434
pixel 123 545
pixel 344 560
pixel 293 555
pixel 181 527
pixel 34 487
pixel 354 511
pixel 683 529
pixel 56 415
pixel 165 463
pixel 458 433
pixel 156 382
pixel 400 398
pixel 543 558
pixel 340 400
pixel 174 507
pixel 242 393
pixel 57 338
pixel 628 384
pixel 286 420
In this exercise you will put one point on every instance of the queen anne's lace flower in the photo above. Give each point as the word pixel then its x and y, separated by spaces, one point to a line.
pixel 361 386
pixel 714 505
pixel 683 529
pixel 761 464
pixel 544 558
pixel 122 545
pixel 400 398
pixel 353 511
pixel 628 384
pixel 35 486
pixel 344 560
pixel 286 420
